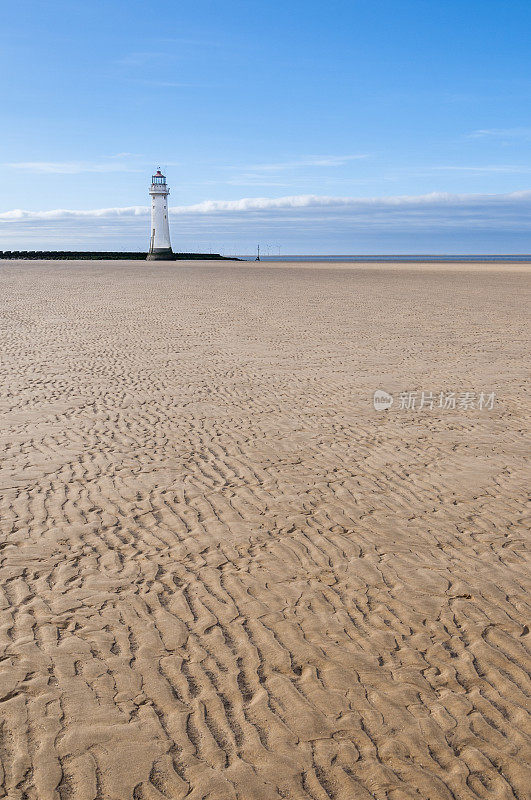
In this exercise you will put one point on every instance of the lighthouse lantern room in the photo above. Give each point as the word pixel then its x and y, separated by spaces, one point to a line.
pixel 159 243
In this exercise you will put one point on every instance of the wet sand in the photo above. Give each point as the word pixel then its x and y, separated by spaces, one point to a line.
pixel 223 574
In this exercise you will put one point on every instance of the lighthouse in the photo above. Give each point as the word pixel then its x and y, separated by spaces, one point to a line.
pixel 159 242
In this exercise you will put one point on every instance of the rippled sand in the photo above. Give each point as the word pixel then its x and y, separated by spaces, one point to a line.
pixel 224 574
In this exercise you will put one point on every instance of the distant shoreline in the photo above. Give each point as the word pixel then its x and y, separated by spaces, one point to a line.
pixel 108 255
pixel 405 259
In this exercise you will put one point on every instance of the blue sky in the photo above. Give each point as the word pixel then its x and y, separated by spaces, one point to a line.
pixel 345 127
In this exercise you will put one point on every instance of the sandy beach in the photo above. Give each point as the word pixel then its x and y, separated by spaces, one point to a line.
pixel 223 574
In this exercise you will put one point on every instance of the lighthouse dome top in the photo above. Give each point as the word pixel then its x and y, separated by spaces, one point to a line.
pixel 158 177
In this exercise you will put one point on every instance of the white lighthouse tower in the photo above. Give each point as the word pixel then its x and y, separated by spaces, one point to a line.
pixel 159 243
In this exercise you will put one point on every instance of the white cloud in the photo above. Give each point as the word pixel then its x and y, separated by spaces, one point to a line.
pixel 501 133
pixel 310 161
pixel 355 203
pixel 125 155
pixel 436 201
pixel 70 167
pixel 436 222
pixel 509 169
pixel 256 180
pixel 18 214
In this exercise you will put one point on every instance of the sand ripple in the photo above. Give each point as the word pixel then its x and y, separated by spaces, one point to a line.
pixel 223 574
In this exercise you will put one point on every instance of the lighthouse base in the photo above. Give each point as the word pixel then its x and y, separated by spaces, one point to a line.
pixel 160 254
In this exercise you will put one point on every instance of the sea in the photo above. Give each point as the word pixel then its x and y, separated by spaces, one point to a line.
pixel 394 259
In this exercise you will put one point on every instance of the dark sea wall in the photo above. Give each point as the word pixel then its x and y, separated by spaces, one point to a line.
pixel 96 255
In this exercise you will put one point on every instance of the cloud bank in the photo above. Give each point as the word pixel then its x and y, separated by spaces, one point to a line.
pixel 303 223
pixel 408 203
